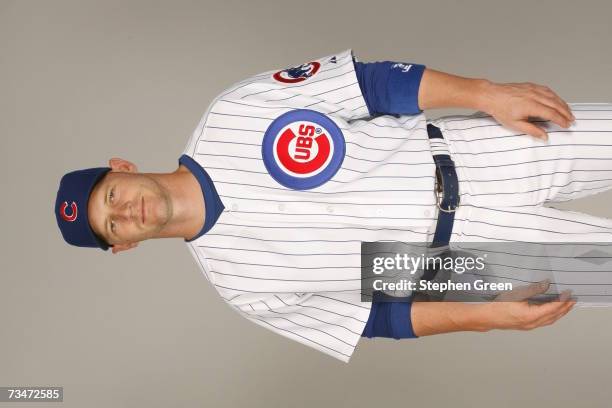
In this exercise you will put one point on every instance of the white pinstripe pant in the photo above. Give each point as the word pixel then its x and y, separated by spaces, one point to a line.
pixel 505 178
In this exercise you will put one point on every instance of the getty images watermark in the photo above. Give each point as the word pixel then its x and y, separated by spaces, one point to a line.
pixel 473 272
pixel 413 264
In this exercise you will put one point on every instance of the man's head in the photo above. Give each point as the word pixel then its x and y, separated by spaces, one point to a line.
pixel 114 206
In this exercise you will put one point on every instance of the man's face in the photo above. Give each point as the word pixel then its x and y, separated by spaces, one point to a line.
pixel 128 207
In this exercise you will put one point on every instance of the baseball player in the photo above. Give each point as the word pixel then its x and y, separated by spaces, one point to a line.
pixel 289 171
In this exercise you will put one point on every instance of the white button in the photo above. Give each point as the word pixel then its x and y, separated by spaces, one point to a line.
pixel 427 213
pixel 379 211
pixel 330 209
pixel 234 207
pixel 281 207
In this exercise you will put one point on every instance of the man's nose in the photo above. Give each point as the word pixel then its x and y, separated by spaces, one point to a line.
pixel 126 211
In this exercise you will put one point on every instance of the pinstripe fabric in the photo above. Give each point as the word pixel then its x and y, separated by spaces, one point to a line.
pixel 509 181
pixel 289 260
pixel 499 168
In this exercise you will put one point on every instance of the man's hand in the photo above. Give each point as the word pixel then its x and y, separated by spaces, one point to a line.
pixel 510 310
pixel 515 104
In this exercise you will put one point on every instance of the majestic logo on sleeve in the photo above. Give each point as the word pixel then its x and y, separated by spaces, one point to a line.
pixel 73 211
pixel 297 74
pixel 403 67
pixel 303 149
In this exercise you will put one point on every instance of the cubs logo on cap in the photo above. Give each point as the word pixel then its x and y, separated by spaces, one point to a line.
pixel 302 149
pixel 297 74
pixel 73 211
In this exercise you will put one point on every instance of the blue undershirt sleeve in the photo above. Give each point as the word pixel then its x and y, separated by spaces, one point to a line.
pixel 390 319
pixel 390 87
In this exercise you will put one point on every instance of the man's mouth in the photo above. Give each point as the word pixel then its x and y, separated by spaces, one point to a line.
pixel 142 209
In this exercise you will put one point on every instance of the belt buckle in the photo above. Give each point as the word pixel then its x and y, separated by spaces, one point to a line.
pixel 439 195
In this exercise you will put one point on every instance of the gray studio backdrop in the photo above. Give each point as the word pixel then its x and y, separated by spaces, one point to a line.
pixel 83 81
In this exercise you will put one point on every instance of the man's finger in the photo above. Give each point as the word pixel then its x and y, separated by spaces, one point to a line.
pixel 531 130
pixel 564 308
pixel 549 309
pixel 552 94
pixel 525 292
pixel 569 307
pixel 559 106
pixel 548 113
pixel 550 319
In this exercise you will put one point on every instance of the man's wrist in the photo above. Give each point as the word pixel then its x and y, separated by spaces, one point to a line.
pixel 429 318
pixel 441 90
pixel 478 317
pixel 483 95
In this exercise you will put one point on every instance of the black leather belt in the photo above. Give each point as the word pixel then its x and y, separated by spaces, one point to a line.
pixel 446 191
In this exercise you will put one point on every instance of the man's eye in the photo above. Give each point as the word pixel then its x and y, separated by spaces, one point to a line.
pixel 111 194
pixel 112 226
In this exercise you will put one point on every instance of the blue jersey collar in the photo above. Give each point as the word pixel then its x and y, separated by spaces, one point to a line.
pixel 212 201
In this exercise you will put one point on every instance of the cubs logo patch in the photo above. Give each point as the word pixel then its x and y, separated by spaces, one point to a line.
pixel 297 74
pixel 302 149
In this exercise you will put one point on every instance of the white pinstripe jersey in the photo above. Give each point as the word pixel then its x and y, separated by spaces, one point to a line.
pixel 289 260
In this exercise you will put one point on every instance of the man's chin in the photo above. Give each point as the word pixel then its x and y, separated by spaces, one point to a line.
pixel 153 232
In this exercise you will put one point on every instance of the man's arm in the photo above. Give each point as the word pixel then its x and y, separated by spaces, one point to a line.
pixel 511 104
pixel 406 89
pixel 510 311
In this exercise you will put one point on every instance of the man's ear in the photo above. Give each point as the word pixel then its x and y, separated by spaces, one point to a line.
pixel 123 247
pixel 118 164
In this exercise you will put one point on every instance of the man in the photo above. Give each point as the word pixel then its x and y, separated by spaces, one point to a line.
pixel 291 170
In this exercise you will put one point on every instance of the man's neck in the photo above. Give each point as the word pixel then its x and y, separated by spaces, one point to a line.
pixel 187 202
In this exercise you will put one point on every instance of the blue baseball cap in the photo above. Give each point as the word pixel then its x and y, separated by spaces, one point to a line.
pixel 71 207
